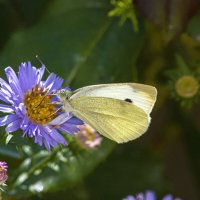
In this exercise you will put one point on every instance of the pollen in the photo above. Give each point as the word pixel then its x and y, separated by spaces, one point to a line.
pixel 90 133
pixel 39 106
pixel 187 86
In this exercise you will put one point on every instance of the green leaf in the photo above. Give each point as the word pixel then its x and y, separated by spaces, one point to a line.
pixel 61 168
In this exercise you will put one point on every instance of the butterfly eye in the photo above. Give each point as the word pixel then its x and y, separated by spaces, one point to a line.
pixel 62 92
pixel 128 100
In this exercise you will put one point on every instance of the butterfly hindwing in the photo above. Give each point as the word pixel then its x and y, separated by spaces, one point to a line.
pixel 116 119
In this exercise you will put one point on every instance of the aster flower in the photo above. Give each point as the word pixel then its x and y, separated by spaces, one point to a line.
pixel 88 137
pixel 3 172
pixel 30 107
pixel 149 195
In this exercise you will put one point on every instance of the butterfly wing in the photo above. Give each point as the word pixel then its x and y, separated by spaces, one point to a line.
pixel 143 96
pixel 118 120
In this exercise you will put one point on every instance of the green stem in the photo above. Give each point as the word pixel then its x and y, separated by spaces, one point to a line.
pixel 87 52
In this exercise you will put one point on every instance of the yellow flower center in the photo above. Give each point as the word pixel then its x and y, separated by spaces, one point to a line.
pixel 39 106
pixel 187 86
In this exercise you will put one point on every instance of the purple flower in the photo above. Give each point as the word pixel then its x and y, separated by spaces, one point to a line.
pixel 88 137
pixel 130 197
pixel 30 107
pixel 3 172
pixel 149 195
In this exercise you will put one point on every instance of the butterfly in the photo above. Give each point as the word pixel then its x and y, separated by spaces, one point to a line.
pixel 120 112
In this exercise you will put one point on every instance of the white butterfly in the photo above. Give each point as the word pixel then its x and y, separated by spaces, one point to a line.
pixel 120 112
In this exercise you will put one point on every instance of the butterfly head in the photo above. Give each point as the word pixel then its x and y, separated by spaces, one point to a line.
pixel 63 95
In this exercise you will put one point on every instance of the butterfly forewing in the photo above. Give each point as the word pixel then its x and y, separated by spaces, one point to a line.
pixel 116 119
pixel 143 96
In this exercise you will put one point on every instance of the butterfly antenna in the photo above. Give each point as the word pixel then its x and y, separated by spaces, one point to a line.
pixel 38 58
pixel 55 112
pixel 40 102
pixel 52 94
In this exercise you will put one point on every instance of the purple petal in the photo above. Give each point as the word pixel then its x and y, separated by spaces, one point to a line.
pixel 75 121
pixel 48 141
pixel 47 145
pixel 20 110
pixel 4 166
pixel 8 119
pixel 25 124
pixel 13 126
pixel 13 81
pixel 6 108
pixel 69 128
pixel 5 86
pixel 39 139
pixel 5 96
pixel 56 136
pixel 28 76
pixel 38 136
pixel 49 82
pixel 60 119
pixel 40 73
pixel 150 195
pixel 140 197
pixel 53 82
pixel 49 137
pixel 168 197
pixel 32 130
pixel 129 198
pixel 6 93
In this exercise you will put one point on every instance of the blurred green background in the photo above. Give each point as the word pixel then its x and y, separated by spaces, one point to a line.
pixel 101 41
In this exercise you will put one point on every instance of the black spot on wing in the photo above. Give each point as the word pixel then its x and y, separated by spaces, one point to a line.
pixel 128 100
